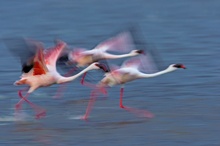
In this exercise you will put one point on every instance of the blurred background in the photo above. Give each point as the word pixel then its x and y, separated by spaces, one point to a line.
pixel 186 103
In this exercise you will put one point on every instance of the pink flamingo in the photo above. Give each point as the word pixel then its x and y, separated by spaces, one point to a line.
pixel 128 72
pixel 122 42
pixel 43 73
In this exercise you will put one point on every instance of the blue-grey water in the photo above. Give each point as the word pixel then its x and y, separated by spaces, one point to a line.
pixel 186 103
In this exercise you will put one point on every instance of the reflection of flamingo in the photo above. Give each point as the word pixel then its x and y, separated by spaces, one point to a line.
pixel 128 72
pixel 43 73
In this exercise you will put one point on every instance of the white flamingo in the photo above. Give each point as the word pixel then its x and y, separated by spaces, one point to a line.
pixel 127 73
pixel 121 42
pixel 44 74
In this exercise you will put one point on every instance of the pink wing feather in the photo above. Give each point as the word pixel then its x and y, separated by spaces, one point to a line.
pixel 143 63
pixel 76 53
pixel 122 42
pixel 51 55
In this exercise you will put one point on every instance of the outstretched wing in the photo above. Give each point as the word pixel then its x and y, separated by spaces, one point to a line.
pixel 132 63
pixel 122 42
pixel 76 53
pixel 39 66
pixel 23 48
pixel 142 63
pixel 52 54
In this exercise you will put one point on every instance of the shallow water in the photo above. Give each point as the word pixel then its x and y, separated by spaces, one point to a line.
pixel 185 103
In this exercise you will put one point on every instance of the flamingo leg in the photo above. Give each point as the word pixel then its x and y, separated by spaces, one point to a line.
pixel 142 113
pixel 93 98
pixel 121 96
pixel 86 83
pixel 83 78
pixel 18 105
pixel 62 87
pixel 101 89
pixel 40 111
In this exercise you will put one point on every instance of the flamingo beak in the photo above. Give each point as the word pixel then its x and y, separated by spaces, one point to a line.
pixel 182 66
pixel 141 52
pixel 103 67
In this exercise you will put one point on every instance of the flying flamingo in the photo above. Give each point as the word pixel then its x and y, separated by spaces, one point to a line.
pixel 122 42
pixel 43 73
pixel 128 72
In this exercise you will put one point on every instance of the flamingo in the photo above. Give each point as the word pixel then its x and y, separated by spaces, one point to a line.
pixel 43 73
pixel 128 72
pixel 123 41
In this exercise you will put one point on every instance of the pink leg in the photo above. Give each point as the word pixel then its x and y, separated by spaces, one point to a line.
pixel 142 113
pixel 40 111
pixel 86 83
pixel 93 98
pixel 62 87
pixel 101 89
pixel 83 78
pixel 18 105
pixel 121 96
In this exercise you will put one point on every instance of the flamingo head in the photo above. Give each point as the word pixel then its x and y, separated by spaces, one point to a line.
pixel 179 66
pixel 176 66
pixel 98 65
pixel 136 52
pixel 102 66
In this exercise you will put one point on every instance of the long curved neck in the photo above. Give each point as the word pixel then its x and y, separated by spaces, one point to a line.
pixel 112 56
pixel 157 73
pixel 68 79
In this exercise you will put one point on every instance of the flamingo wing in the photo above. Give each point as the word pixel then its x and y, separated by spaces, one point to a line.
pixel 143 63
pixel 132 62
pixel 23 48
pixel 122 42
pixel 39 66
pixel 77 53
pixel 52 54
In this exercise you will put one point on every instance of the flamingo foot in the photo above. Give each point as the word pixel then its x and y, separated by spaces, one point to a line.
pixel 18 107
pixel 85 118
pixel 104 91
pixel 138 112
pixel 40 114
pixel 121 106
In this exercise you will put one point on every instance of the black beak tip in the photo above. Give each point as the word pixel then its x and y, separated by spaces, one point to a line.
pixel 140 51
